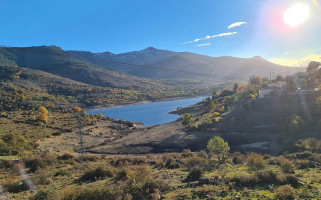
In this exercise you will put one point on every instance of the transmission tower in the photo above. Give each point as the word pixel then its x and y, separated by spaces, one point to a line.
pixel 81 142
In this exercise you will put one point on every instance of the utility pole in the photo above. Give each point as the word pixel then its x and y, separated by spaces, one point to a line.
pixel 81 142
pixel 270 76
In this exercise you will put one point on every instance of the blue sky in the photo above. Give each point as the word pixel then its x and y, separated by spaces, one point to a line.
pixel 126 25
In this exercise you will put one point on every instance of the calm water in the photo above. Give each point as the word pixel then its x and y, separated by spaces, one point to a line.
pixel 150 113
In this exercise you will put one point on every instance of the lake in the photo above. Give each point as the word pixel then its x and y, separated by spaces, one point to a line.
pixel 149 114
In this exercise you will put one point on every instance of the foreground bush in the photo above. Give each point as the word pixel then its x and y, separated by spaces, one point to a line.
pixel 285 192
pixel 141 184
pixel 90 194
pixel 266 176
pixel 238 158
pixel 43 195
pixel 194 174
pixel 287 179
pixel 244 180
pixel 256 161
pixel 94 174
pixel 194 161
pixel 34 164
pixel 66 156
pixel 14 185
pixel 287 166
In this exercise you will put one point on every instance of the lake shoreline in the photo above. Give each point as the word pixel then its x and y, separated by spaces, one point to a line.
pixel 147 112
pixel 109 106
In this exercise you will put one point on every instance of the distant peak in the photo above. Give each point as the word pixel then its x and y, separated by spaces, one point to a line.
pixel 150 49
pixel 257 58
pixel 107 53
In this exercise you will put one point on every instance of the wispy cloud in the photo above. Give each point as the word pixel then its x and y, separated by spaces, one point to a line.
pixel 204 44
pixel 210 36
pixel 236 24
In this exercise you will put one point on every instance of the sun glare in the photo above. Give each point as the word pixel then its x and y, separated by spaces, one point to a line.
pixel 296 15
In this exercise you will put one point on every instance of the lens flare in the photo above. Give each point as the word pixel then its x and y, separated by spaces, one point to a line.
pixel 316 3
pixel 296 15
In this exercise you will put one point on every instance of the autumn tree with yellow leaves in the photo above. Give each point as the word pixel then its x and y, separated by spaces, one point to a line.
pixel 42 114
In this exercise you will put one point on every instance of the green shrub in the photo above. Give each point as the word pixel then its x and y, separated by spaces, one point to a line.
pixel 287 166
pixel 160 164
pixel 14 185
pixel 315 157
pixel 172 164
pixel 194 161
pixel 89 194
pixel 34 164
pixel 66 156
pixel 303 155
pixel 285 192
pixel 202 154
pixel 92 158
pixel 244 180
pixel 303 164
pixel 123 161
pixel 187 153
pixel 194 174
pixel 266 176
pixel 42 195
pixel 256 161
pixel 62 172
pixel 41 178
pixel 97 173
pixel 6 164
pixel 141 184
pixel 121 175
pixel 287 179
pixel 238 158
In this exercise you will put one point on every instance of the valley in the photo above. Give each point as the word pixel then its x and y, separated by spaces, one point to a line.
pixel 264 126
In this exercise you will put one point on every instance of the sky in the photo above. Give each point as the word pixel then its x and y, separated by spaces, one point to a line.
pixel 240 28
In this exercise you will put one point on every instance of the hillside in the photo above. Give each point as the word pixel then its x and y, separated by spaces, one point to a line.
pixel 23 88
pixel 56 61
pixel 212 170
pixel 227 66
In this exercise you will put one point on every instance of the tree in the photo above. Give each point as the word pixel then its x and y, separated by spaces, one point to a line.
pixel 255 80
pixel 217 146
pixel 42 117
pixel 187 119
pixel 296 125
pixel 312 66
pixel 43 110
pixel 214 95
pixel 228 100
pixel 235 87
pixel 240 88
pixel 43 114
pixel 76 109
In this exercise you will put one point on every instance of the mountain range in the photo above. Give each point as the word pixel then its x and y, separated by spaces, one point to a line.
pixel 145 70
pixel 147 63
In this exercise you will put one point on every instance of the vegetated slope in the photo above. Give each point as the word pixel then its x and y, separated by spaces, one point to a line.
pixel 54 60
pixel 23 88
pixel 226 66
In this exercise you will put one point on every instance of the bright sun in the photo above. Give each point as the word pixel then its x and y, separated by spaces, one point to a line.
pixel 296 15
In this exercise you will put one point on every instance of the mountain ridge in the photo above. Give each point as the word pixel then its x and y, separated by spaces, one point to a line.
pixel 228 66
